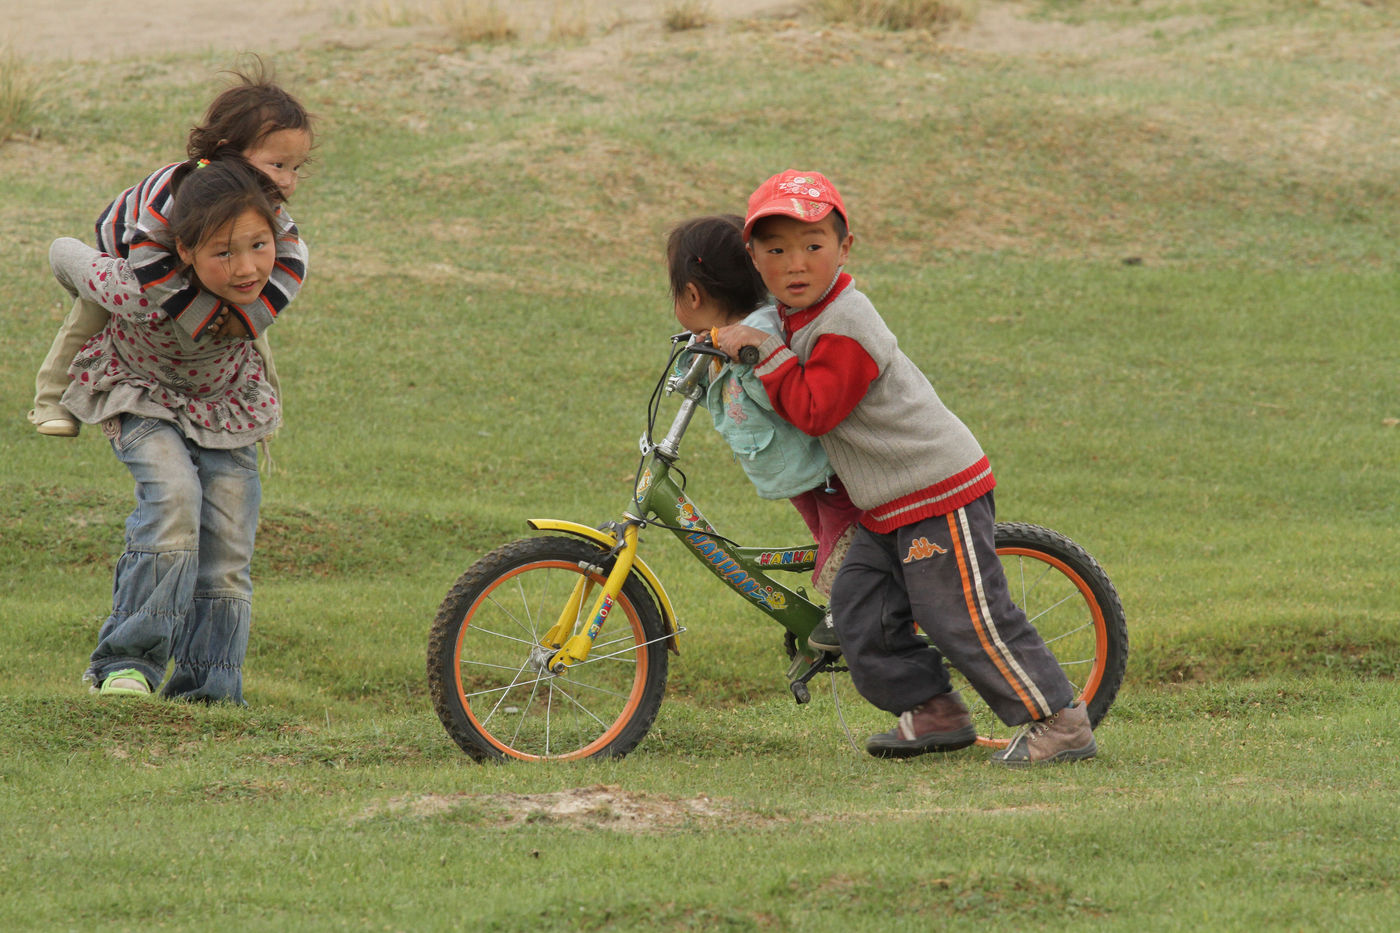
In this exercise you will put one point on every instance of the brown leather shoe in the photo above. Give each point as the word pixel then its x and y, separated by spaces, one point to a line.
pixel 941 724
pixel 1065 736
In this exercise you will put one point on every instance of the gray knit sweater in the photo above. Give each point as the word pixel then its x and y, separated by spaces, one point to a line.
pixel 901 453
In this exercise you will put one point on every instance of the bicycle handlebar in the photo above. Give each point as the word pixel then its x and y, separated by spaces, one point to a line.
pixel 690 383
pixel 704 343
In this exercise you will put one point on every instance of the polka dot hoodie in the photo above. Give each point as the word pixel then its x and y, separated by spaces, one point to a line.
pixel 215 389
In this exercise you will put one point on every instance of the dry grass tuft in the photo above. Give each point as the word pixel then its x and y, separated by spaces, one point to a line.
pixel 687 14
pixel 470 21
pixel 896 15
pixel 19 95
pixel 466 22
pixel 569 22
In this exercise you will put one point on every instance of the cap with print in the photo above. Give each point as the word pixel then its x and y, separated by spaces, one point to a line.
pixel 807 196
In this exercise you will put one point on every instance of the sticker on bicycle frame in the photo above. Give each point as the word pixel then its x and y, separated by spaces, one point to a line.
pixel 784 558
pixel 601 617
pixel 733 574
pixel 643 485
pixel 688 516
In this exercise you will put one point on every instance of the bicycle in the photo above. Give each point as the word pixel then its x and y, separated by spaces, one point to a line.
pixel 519 667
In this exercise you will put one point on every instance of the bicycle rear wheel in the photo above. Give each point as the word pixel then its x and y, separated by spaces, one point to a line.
pixel 1073 604
pixel 487 671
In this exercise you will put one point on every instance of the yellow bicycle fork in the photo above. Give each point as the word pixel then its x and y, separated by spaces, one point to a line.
pixel 573 648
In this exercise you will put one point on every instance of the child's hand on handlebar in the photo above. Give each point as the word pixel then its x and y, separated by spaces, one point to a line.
pixel 734 337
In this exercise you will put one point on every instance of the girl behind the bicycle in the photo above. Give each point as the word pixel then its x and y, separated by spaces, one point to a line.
pixel 714 283
pixel 184 417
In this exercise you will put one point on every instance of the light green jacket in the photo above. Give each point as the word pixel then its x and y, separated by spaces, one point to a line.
pixel 779 459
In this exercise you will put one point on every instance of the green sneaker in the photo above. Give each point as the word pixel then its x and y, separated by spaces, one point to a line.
pixel 823 637
pixel 125 683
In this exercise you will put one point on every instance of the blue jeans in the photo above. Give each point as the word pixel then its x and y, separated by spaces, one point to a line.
pixel 183 589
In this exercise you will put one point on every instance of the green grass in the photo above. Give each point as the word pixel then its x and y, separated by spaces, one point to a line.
pixel 1153 268
pixel 1211 809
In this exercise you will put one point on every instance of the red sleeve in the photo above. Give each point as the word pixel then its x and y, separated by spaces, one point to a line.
pixel 818 395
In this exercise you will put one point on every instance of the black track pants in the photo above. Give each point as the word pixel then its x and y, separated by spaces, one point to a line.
pixel 942 574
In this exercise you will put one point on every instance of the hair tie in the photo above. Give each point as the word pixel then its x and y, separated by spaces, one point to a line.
pixel 201 163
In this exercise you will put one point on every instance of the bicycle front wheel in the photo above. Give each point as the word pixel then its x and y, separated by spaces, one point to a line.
pixel 1073 604
pixel 488 674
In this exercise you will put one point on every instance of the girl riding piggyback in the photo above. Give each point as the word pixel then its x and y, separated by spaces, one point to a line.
pixel 269 128
pixel 714 284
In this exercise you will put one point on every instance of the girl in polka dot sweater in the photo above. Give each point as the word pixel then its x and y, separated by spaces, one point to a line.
pixel 184 415
pixel 267 126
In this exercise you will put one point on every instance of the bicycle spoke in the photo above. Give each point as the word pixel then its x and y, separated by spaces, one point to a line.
pixel 1049 609
pixel 488 668
pixel 505 692
pixel 619 640
pixel 1035 584
pixel 527 627
pixel 585 685
pixel 1063 635
pixel 566 695
pixel 508 687
pixel 486 631
pixel 632 648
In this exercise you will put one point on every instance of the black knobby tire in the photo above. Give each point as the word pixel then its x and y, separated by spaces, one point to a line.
pixel 1073 604
pixel 486 672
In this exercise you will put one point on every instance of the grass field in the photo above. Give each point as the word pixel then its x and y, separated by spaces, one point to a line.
pixel 1147 251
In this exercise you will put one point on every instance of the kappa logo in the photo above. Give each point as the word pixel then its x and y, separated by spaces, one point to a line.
pixel 920 548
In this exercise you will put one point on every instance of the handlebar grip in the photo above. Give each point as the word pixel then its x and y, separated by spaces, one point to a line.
pixel 748 355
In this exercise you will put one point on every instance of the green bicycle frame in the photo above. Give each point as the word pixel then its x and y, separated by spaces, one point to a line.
pixel 744 569
pixel 658 500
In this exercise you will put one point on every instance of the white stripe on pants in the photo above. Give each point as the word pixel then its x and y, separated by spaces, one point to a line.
pixel 942 574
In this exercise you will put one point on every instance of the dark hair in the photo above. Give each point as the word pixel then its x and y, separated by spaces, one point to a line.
pixel 840 225
pixel 210 194
pixel 709 253
pixel 250 110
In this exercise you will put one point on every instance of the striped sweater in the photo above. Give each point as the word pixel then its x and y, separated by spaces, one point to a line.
pixel 841 376
pixel 134 227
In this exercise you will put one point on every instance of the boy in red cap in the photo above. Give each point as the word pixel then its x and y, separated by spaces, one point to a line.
pixel 924 552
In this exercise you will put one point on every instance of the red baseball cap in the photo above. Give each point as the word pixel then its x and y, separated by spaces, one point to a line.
pixel 807 196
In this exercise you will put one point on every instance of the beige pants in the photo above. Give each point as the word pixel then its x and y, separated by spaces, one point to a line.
pixel 84 320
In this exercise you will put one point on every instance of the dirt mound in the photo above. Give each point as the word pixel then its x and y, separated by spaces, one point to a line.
pixel 602 806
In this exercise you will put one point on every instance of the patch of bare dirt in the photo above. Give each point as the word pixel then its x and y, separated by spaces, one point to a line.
pixel 91 30
pixel 607 806
pixel 1009 29
pixel 602 806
